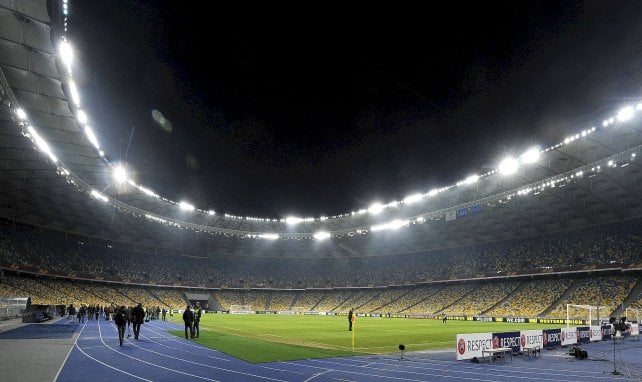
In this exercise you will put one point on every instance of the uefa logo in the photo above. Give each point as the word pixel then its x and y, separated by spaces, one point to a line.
pixel 461 346
pixel 523 340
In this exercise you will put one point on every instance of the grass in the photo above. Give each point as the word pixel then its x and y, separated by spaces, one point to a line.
pixel 269 338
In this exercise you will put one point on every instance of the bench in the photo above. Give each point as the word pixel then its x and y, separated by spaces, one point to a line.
pixel 499 353
pixel 532 351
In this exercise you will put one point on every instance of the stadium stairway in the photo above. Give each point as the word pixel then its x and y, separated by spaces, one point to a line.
pixel 437 290
pixel 498 303
pixel 314 307
pixel 635 294
pixel 379 308
pixel 562 298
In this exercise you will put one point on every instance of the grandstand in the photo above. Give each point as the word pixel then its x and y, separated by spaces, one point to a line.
pixel 568 230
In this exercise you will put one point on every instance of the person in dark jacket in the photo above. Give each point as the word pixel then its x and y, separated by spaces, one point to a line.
pixel 121 321
pixel 138 317
pixel 188 318
pixel 197 319
pixel 350 319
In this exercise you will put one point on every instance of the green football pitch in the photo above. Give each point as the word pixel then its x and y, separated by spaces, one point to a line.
pixel 267 338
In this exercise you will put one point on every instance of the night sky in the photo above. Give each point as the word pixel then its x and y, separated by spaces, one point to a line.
pixel 317 109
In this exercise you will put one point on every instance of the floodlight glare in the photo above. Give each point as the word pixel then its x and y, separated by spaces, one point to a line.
pixel 625 114
pixel 412 198
pixel 433 192
pixel 393 225
pixel 376 208
pixel 66 54
pixel 322 235
pixel 99 196
pixel 92 138
pixel 269 236
pixel 211 212
pixel 74 93
pixel 82 117
pixel 531 155
pixel 186 206
pixel 120 174
pixel 508 166
pixel 293 220
pixel 471 179
pixel 42 144
pixel 21 114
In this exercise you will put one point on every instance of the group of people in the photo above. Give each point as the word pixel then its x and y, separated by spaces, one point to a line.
pixel 125 317
pixel 192 319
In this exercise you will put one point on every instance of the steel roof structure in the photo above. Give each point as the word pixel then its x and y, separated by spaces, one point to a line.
pixel 590 180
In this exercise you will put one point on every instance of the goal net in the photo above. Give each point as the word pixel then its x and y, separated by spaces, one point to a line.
pixel 241 309
pixel 591 315
pixel 632 314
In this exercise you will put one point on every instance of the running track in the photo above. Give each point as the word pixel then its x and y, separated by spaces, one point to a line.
pixel 160 356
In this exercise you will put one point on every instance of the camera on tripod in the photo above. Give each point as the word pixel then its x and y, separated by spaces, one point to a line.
pixel 578 352
pixel 619 325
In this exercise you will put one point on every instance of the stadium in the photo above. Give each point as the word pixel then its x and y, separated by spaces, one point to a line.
pixel 543 245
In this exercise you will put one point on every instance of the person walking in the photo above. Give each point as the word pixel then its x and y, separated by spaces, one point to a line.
pixel 188 318
pixel 121 322
pixel 138 317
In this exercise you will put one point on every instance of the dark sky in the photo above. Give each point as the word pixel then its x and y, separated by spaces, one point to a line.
pixel 316 109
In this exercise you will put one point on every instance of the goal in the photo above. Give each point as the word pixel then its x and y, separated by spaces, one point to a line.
pixel 589 313
pixel 632 314
pixel 241 309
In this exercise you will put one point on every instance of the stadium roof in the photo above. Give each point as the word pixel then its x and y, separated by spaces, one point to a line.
pixel 589 176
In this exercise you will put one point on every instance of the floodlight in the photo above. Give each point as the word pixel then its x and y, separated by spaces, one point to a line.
pixel 82 117
pixel 413 198
pixel 508 166
pixel 393 225
pixel 322 235
pixel 42 144
pixel 211 212
pixel 99 196
pixel 186 206
pixel 376 208
pixel 269 236
pixel 531 155
pixel 396 224
pixel 92 137
pixel 74 93
pixel 21 114
pixel 625 114
pixel 66 54
pixel 471 179
pixel 433 192
pixel 120 174
pixel 293 220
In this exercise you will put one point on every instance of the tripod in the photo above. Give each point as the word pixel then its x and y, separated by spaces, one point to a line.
pixel 615 372
pixel 402 348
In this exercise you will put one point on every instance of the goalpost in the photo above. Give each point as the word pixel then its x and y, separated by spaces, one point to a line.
pixel 576 311
pixel 241 309
pixel 629 316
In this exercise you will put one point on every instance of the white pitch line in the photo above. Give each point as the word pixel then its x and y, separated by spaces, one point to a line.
pixel 192 362
pixel 69 352
pixel 149 363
